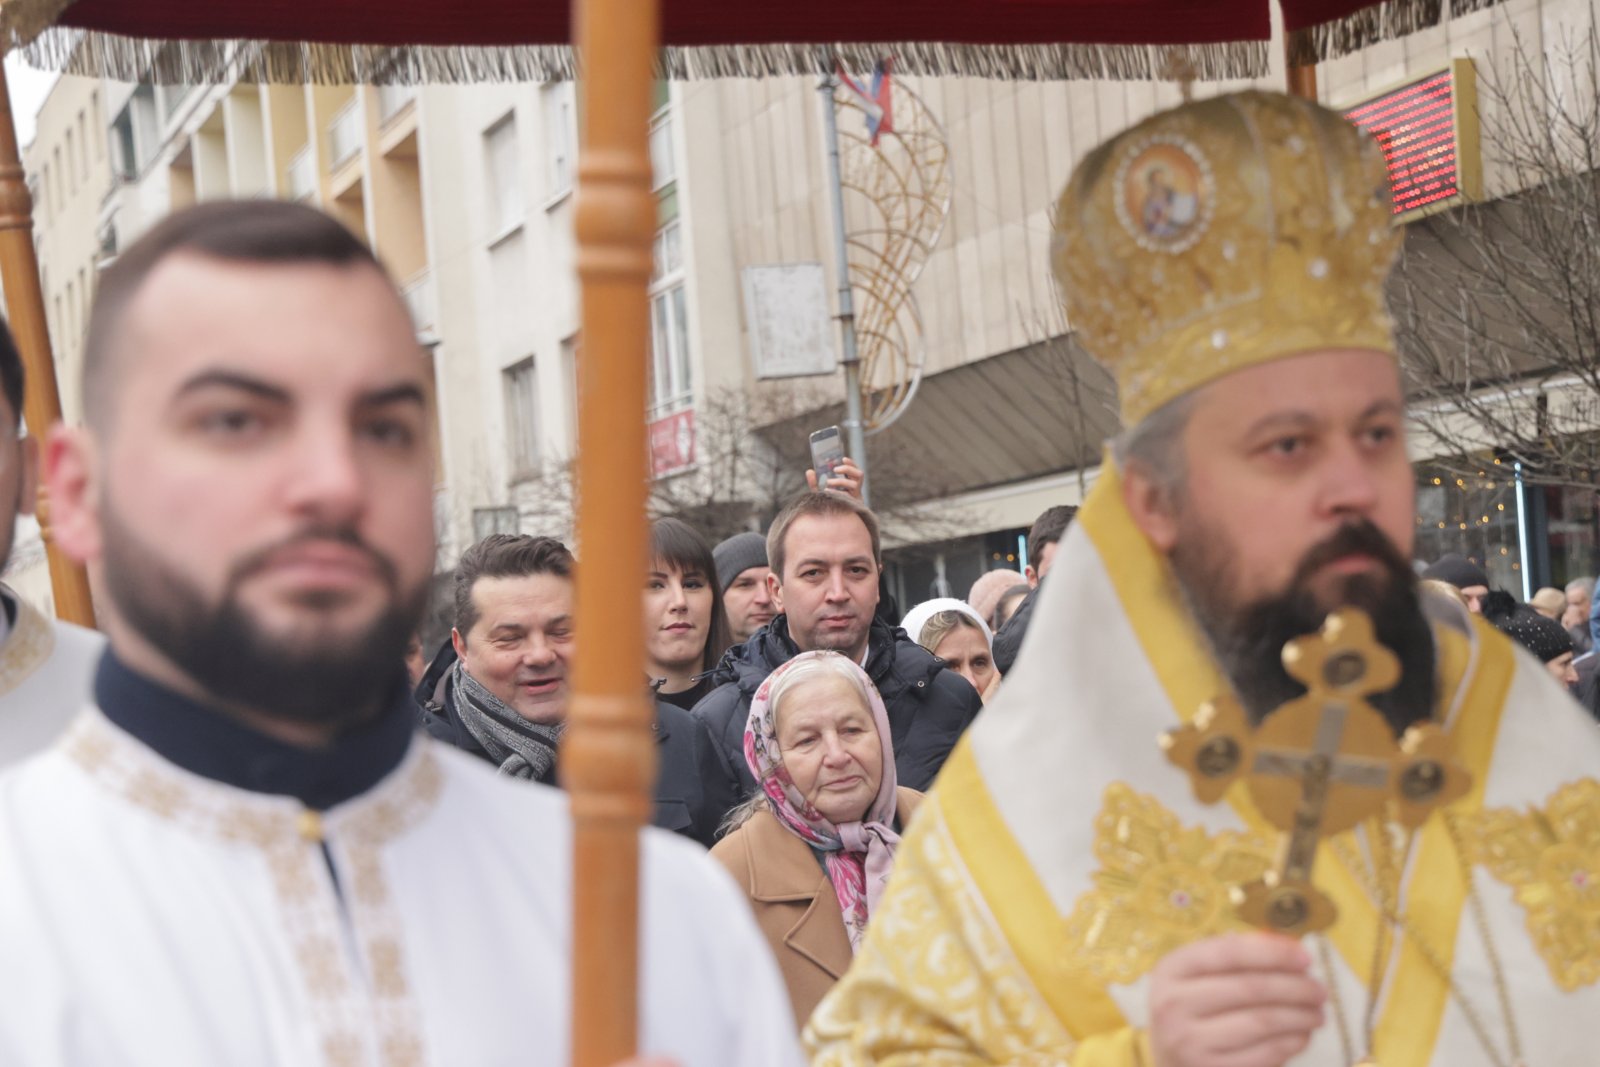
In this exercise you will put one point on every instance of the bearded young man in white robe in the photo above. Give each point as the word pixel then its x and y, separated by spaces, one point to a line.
pixel 1063 897
pixel 243 853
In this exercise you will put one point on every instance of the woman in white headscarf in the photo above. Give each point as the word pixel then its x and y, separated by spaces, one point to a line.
pixel 954 631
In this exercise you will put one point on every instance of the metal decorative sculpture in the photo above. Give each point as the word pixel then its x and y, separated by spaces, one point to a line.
pixel 902 185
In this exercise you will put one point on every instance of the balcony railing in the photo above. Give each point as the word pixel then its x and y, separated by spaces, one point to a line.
pixel 344 134
pixel 302 175
pixel 418 294
pixel 393 99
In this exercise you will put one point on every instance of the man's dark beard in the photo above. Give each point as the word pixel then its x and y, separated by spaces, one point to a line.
pixel 1248 639
pixel 335 681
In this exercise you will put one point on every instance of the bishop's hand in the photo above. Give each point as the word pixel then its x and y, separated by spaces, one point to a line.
pixel 1240 1000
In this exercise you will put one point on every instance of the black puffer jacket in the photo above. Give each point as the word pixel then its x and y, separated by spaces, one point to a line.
pixel 929 707
pixel 682 744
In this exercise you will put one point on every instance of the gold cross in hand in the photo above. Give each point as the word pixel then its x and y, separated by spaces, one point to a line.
pixel 1318 765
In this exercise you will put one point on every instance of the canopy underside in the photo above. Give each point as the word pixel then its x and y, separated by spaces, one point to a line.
pixel 380 42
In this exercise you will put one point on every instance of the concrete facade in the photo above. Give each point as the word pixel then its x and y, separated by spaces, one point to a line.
pixel 465 193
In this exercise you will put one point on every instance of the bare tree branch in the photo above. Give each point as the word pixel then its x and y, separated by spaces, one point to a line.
pixel 1498 304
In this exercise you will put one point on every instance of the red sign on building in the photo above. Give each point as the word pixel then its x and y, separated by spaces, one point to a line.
pixel 672 443
pixel 1428 132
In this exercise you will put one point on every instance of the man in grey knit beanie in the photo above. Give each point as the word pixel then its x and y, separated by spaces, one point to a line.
pixel 742 573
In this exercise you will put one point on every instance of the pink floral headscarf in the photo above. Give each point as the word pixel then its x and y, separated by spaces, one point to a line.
pixel 857 855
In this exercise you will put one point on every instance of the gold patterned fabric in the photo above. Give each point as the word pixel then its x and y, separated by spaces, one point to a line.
pixel 1222 234
pixel 1059 857
pixel 1160 886
pixel 1549 855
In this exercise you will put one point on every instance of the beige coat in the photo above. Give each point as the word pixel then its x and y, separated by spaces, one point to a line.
pixel 794 903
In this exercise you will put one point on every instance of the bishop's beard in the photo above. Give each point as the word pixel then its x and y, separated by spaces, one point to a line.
pixel 1248 637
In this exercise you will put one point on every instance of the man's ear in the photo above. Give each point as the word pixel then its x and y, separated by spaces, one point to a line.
pixel 71 517
pixel 775 590
pixel 458 642
pixel 1153 506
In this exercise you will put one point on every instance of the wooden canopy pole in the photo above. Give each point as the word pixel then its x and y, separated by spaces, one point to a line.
pixel 41 403
pixel 1303 82
pixel 608 755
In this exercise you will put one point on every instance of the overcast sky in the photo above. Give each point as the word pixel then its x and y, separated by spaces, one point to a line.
pixel 28 88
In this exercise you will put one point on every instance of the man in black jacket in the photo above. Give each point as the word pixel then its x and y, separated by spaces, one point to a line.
pixel 499 689
pixel 825 554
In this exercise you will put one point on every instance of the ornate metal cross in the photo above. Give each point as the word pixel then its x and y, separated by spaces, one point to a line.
pixel 1318 765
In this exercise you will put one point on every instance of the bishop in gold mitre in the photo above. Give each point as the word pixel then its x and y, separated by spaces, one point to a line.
pixel 1063 897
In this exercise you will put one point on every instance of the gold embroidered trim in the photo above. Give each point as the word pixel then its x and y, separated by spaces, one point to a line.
pixel 351 1012
pixel 935 973
pixel 28 645
pixel 1160 886
pixel 1550 857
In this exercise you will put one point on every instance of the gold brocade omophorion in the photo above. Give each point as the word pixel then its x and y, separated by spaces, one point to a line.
pixel 1160 886
pixel 1550 857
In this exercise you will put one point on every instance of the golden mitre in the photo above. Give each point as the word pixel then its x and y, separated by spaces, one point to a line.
pixel 1222 234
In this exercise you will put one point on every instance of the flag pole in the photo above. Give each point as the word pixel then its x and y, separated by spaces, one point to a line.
pixel 41 402
pixel 608 758
pixel 849 358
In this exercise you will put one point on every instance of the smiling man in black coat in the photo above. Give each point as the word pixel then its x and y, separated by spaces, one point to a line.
pixel 825 553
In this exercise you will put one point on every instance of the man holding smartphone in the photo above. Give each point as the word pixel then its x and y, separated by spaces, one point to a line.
pixel 826 559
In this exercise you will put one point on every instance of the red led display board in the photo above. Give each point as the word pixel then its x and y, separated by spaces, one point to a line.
pixel 1423 129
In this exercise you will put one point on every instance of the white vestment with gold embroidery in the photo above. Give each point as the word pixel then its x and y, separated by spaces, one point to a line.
pixel 46 672
pixel 153 918
pixel 1060 855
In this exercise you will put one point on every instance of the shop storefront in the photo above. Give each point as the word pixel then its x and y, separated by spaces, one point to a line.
pixel 1525 536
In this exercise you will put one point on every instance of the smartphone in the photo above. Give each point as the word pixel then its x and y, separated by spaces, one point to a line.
pixel 827 452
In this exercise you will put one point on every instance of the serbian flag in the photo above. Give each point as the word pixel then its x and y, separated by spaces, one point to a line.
pixel 875 101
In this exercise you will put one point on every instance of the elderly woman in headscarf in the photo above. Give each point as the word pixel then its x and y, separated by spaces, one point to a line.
pixel 954 631
pixel 813 849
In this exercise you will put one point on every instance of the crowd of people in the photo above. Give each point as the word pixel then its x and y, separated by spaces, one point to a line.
pixel 1556 625
pixel 236 831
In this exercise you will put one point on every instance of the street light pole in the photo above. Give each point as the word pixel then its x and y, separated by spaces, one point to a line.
pixel 855 431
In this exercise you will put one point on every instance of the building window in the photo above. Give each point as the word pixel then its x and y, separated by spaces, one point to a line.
pixel 504 169
pixel 662 165
pixel 94 110
pixel 561 136
pixel 522 417
pixel 83 146
pixel 124 156
pixel 55 190
pixel 671 384
pixel 72 163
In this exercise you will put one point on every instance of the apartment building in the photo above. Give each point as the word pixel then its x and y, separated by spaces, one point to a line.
pixel 69 173
pixel 466 194
pixel 351 150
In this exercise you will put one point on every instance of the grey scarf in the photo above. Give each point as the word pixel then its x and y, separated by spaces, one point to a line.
pixel 523 749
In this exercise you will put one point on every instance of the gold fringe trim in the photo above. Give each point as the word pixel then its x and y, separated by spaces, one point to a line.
pixel 224 62
pixel 1380 22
